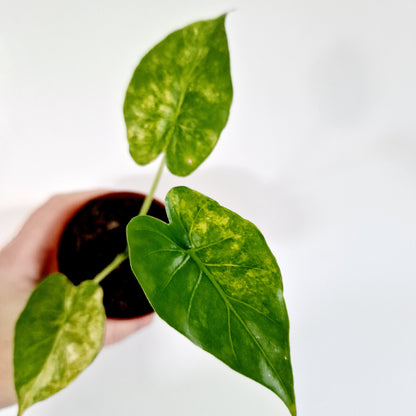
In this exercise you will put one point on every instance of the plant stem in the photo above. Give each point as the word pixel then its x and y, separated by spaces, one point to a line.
pixel 113 265
pixel 149 198
pixel 143 211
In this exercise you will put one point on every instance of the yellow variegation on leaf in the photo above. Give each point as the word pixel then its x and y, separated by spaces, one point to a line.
pixel 58 334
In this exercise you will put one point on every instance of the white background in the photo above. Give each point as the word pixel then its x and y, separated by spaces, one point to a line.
pixel 319 153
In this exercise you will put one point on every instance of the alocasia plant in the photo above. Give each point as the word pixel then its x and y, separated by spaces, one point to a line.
pixel 208 273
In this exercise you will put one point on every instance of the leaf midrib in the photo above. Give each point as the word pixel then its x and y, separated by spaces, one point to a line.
pixel 184 90
pixel 68 301
pixel 220 291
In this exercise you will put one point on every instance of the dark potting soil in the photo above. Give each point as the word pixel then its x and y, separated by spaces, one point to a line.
pixel 91 240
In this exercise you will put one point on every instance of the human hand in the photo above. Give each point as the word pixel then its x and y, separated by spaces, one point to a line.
pixel 25 261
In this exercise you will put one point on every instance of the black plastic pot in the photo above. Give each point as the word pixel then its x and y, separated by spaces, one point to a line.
pixel 91 240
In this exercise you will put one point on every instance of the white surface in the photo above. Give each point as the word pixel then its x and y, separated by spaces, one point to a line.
pixel 319 152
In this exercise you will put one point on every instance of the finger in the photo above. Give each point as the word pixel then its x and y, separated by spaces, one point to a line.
pixel 118 329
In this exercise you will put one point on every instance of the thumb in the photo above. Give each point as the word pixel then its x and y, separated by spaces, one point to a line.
pixel 36 243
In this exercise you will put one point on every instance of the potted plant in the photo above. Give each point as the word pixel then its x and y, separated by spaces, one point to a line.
pixel 207 272
pixel 95 233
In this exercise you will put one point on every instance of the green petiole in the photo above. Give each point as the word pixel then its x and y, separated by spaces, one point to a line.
pixel 120 258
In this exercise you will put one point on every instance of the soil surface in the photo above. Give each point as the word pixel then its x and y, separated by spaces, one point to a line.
pixel 91 240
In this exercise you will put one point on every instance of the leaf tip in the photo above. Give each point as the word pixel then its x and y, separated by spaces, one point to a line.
pixel 293 410
pixel 22 405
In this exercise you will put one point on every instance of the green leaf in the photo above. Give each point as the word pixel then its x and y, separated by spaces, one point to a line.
pixel 58 334
pixel 179 98
pixel 210 274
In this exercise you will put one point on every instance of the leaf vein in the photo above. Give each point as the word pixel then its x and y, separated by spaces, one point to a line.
pixel 235 265
pixel 162 251
pixel 254 309
pixel 192 296
pixel 164 237
pixel 172 275
pixel 230 337
pixel 191 228
pixel 212 244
